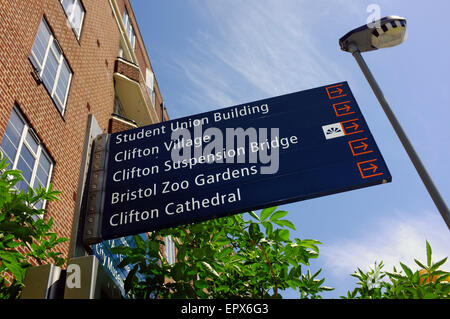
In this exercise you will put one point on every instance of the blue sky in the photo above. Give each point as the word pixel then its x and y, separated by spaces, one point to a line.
pixel 213 54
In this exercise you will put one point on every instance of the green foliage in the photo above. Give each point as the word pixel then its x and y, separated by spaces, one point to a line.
pixel 229 257
pixel 428 283
pixel 21 226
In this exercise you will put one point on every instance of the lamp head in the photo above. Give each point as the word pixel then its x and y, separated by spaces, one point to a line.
pixel 384 33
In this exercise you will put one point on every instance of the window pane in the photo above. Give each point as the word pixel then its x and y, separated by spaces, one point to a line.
pixel 63 82
pixel 45 163
pixel 27 172
pixel 41 178
pixel 56 50
pixel 43 171
pixel 77 18
pixel 132 37
pixel 16 122
pixel 49 74
pixel 9 150
pixel 68 6
pixel 31 142
pixel 12 136
pixel 125 18
pixel 153 98
pixel 23 185
pixel 41 42
pixel 39 204
pixel 27 157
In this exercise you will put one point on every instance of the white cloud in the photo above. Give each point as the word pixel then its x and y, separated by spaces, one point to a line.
pixel 257 49
pixel 399 238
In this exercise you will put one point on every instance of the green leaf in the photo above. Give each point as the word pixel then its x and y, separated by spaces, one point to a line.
pixel 129 280
pixel 278 214
pixel 438 264
pixel 255 232
pixel 420 264
pixel 266 212
pixel 200 284
pixel 283 234
pixel 252 213
pixel 269 227
pixel 11 259
pixel 415 278
pixel 122 250
pixel 407 270
pixel 210 269
pixel 285 223
pixel 225 252
pixel 428 254
pixel 140 243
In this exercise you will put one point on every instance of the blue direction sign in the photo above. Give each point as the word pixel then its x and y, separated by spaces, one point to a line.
pixel 246 157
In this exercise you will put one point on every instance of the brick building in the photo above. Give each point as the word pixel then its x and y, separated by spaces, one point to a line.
pixel 62 62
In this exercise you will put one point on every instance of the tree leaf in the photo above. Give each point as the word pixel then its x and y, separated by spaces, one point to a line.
pixel 200 284
pixel 130 277
pixel 420 264
pixel 438 264
pixel 283 234
pixel 269 227
pixel 428 254
pixel 266 212
pixel 285 223
pixel 210 269
pixel 278 214
pixel 140 243
pixel 11 259
pixel 252 213
pixel 407 270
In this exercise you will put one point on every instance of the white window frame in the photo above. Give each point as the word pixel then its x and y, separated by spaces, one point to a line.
pixel 127 23
pixel 71 15
pixel 36 154
pixel 60 61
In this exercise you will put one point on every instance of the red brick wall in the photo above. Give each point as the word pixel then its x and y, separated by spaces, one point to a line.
pixel 119 125
pixel 92 88
pixel 129 70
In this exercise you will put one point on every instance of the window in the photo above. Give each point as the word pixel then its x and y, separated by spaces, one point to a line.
pixel 120 52
pixel 24 152
pixel 51 66
pixel 75 14
pixel 150 83
pixel 129 29
pixel 118 108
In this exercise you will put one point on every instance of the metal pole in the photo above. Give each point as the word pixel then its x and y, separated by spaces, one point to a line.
pixel 426 179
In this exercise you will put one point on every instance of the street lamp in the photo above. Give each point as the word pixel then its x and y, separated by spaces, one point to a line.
pixel 387 32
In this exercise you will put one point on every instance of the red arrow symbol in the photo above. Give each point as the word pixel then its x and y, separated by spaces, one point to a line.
pixel 363 145
pixel 346 108
pixel 369 166
pixel 354 126
pixel 372 167
pixel 338 91
pixel 335 91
